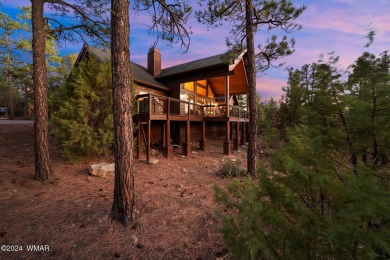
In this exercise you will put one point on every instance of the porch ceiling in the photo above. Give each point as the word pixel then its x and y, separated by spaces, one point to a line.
pixel 238 83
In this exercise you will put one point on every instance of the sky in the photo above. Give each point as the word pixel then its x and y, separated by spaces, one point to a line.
pixel 338 26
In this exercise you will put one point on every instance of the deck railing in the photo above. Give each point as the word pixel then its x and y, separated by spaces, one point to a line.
pixel 162 105
pixel 237 111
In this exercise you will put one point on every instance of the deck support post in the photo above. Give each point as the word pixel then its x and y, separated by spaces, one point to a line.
pixel 202 143
pixel 236 137
pixel 168 149
pixel 226 144
pixel 148 140
pixel 246 133
pixel 162 142
pixel 187 144
pixel 139 125
pixel 243 136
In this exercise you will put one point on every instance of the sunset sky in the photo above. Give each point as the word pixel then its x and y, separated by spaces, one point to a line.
pixel 332 25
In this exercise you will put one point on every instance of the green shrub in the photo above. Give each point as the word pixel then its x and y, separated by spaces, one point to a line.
pixel 303 210
pixel 231 168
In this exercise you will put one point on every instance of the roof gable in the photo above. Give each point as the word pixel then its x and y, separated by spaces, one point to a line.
pixel 213 61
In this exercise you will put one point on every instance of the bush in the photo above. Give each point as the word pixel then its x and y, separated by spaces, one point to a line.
pixel 232 168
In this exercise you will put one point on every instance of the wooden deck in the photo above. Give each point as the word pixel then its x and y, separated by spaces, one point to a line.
pixel 166 109
pixel 146 117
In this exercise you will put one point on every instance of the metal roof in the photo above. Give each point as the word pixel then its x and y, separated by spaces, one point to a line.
pixel 212 61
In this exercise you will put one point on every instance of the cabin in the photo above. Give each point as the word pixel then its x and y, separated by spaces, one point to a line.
pixel 186 104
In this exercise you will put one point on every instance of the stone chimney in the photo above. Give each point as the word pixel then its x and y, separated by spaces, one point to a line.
pixel 154 62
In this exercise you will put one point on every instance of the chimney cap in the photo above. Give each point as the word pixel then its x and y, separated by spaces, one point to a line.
pixel 154 48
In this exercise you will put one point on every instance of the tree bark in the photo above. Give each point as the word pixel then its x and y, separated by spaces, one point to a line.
pixel 123 207
pixel 11 114
pixel 11 109
pixel 41 127
pixel 25 105
pixel 375 144
pixel 252 97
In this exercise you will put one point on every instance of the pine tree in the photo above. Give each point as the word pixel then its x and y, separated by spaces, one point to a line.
pixel 8 26
pixel 369 85
pixel 89 21
pixel 82 111
pixel 317 200
pixel 170 18
pixel 248 17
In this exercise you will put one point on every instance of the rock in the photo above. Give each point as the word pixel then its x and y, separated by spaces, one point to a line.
pixel 153 161
pixel 102 169
pixel 134 240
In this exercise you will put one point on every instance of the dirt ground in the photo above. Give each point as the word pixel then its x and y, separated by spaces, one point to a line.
pixel 68 215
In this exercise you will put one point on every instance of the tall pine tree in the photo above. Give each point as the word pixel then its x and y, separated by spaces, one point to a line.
pixel 82 111
pixel 249 17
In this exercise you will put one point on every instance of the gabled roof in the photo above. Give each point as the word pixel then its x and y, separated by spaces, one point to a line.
pixel 223 63
pixel 139 73
pixel 224 59
pixel 208 62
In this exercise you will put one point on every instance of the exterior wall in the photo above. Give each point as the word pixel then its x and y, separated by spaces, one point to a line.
pixel 155 132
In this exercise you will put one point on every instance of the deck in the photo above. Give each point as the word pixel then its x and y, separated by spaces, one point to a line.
pixel 151 107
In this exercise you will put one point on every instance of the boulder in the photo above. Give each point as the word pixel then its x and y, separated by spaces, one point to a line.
pixel 102 169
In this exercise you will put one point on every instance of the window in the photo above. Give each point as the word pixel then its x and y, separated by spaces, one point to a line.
pixel 189 86
pixel 210 92
pixel 200 101
pixel 184 106
pixel 201 88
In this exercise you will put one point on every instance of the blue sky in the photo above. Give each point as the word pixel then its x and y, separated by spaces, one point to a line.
pixel 332 25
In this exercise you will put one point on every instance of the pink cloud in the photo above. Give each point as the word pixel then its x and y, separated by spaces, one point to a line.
pixel 270 87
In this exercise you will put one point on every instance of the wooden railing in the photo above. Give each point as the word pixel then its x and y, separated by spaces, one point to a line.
pixel 161 105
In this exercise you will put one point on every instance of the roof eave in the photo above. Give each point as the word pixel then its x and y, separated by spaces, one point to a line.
pixel 220 65
pixel 152 85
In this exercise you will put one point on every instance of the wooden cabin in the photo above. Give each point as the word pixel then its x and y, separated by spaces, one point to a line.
pixel 187 103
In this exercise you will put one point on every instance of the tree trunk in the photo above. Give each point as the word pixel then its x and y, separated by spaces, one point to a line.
pixel 124 195
pixel 11 110
pixel 41 148
pixel 25 105
pixel 375 145
pixel 252 97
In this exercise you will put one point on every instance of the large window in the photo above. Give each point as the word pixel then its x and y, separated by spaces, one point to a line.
pixel 200 87
pixel 198 93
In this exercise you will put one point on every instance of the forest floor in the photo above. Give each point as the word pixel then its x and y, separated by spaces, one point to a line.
pixel 68 215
